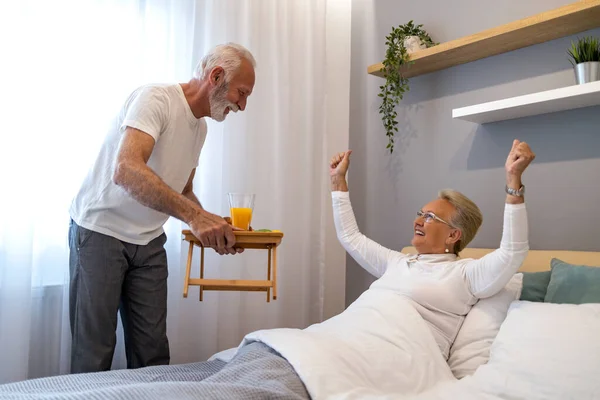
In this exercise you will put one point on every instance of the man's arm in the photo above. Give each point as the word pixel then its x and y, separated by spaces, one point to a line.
pixel 133 174
pixel 188 190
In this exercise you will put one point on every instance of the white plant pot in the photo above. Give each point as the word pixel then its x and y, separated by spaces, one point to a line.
pixel 587 72
pixel 413 43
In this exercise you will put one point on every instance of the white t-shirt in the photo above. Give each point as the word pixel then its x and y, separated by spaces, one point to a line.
pixel 161 111
pixel 443 286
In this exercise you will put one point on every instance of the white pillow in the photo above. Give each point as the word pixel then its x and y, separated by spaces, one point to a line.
pixel 545 351
pixel 480 327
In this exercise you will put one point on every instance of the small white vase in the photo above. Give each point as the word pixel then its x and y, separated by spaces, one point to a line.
pixel 413 43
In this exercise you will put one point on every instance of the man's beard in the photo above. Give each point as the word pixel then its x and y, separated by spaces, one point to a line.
pixel 219 103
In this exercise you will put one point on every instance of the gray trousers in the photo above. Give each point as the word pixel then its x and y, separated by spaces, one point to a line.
pixel 107 276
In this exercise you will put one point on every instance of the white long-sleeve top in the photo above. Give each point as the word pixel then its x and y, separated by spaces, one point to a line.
pixel 443 287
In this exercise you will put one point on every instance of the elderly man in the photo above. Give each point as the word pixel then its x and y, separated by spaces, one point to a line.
pixel 143 175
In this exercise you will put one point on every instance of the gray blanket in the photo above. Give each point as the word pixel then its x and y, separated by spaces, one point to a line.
pixel 256 372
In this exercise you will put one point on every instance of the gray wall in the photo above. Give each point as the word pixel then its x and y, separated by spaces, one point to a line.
pixel 433 151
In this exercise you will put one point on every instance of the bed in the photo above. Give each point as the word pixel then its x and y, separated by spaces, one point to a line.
pixel 507 348
pixel 514 376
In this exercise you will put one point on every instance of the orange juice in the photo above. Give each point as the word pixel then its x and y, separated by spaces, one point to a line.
pixel 241 217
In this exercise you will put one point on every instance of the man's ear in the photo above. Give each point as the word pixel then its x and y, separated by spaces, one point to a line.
pixel 217 75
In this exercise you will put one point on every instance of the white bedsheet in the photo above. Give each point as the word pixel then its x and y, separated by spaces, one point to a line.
pixel 379 346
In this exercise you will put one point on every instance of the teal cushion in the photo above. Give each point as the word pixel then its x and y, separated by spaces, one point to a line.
pixel 573 284
pixel 535 285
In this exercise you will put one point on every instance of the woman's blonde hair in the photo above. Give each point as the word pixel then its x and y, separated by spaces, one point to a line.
pixel 467 217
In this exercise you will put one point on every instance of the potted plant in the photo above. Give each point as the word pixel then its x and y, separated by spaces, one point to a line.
pixel 401 41
pixel 585 57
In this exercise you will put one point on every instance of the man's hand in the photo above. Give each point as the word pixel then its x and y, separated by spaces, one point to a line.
pixel 213 231
pixel 228 220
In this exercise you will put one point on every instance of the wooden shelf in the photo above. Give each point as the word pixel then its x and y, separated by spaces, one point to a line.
pixel 564 21
pixel 562 99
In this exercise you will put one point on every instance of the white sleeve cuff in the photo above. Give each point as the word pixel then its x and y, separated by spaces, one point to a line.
pixel 338 194
pixel 514 206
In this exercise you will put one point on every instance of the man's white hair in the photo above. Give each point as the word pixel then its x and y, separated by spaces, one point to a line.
pixel 227 56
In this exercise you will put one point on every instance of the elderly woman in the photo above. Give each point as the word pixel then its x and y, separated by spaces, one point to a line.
pixel 443 286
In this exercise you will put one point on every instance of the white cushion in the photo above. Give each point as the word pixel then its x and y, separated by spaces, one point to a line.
pixel 480 327
pixel 545 351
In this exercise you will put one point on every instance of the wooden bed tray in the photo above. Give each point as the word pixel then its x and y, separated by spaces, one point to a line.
pixel 246 240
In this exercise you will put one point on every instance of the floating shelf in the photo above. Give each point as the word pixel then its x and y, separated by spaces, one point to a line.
pixel 564 21
pixel 562 99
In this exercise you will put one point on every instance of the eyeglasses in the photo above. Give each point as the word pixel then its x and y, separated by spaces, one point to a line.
pixel 429 216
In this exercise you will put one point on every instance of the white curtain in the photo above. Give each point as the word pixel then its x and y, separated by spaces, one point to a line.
pixel 68 65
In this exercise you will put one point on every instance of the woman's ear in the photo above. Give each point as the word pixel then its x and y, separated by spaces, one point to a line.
pixel 454 236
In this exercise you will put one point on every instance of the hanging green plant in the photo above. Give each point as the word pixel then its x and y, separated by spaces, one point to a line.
pixel 395 84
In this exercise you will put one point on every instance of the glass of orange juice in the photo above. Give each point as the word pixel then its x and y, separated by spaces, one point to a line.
pixel 240 207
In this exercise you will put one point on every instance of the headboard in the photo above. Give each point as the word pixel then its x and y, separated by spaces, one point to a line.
pixel 537 260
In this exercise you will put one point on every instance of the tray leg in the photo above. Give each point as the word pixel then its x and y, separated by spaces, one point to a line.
pixel 269 274
pixel 187 270
pixel 201 269
pixel 275 273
